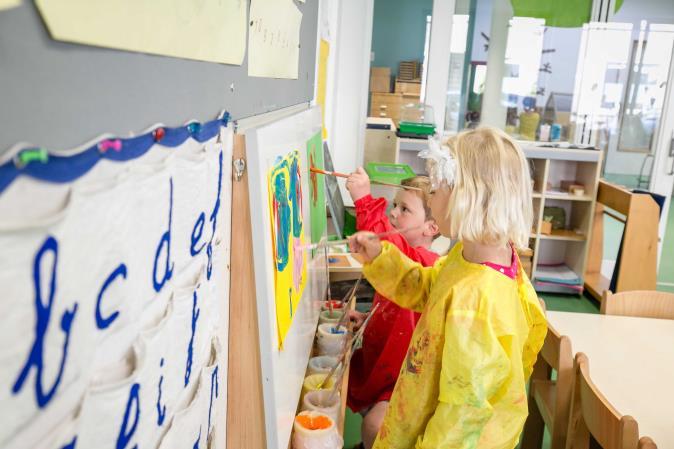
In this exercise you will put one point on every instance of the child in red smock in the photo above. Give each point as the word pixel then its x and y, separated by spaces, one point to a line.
pixel 375 367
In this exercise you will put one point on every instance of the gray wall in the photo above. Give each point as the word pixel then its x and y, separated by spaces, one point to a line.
pixel 60 95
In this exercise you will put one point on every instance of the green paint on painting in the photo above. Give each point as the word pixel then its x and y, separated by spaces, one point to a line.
pixel 319 221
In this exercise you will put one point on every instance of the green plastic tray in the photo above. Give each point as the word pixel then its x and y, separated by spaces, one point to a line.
pixel 422 129
pixel 387 172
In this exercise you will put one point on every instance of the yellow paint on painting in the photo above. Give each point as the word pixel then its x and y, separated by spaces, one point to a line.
pixel 287 231
pixel 323 54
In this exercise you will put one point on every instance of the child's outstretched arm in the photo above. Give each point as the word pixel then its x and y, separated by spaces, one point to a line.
pixel 474 369
pixel 393 274
pixel 371 212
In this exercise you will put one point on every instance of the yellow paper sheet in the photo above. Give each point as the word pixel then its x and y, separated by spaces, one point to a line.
pixel 207 30
pixel 274 39
pixel 6 4
pixel 287 230
pixel 323 54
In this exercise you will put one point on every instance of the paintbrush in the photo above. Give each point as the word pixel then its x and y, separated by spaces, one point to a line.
pixel 317 245
pixel 344 175
pixel 333 369
pixel 354 342
pixel 347 303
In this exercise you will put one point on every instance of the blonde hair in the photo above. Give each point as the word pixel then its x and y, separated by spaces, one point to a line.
pixel 490 202
pixel 423 183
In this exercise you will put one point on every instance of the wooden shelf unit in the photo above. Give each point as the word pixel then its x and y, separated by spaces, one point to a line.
pixel 570 246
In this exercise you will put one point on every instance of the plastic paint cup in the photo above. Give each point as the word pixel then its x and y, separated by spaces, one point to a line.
pixel 312 382
pixel 321 364
pixel 332 317
pixel 330 341
pixel 323 401
pixel 336 304
pixel 314 430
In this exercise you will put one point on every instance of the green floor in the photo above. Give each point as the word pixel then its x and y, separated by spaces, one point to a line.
pixel 613 231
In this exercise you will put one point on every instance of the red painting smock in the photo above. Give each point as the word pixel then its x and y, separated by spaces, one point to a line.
pixel 375 367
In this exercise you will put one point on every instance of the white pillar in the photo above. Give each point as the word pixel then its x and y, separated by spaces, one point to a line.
pixel 493 109
pixel 438 60
pixel 349 92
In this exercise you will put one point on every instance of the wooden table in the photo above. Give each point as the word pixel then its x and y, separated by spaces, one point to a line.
pixel 632 364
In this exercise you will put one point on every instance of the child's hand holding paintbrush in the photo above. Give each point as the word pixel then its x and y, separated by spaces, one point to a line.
pixel 366 244
pixel 358 184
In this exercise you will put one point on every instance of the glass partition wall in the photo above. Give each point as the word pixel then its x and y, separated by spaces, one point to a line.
pixel 560 77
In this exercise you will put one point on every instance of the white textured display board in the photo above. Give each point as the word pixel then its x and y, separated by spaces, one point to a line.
pixel 114 306
pixel 283 370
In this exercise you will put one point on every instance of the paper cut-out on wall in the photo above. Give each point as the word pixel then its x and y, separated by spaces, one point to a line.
pixel 274 39
pixel 7 4
pixel 287 230
pixel 208 30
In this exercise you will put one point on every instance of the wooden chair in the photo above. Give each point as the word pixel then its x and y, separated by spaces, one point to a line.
pixel 646 443
pixel 592 415
pixel 639 303
pixel 549 399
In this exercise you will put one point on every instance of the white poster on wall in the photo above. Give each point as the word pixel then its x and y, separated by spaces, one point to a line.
pixel 274 39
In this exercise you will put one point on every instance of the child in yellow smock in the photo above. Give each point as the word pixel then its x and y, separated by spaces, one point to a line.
pixel 462 384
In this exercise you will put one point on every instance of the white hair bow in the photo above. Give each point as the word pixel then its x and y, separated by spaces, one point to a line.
pixel 440 164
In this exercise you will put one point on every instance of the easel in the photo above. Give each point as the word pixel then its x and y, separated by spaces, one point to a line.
pixel 637 263
pixel 245 404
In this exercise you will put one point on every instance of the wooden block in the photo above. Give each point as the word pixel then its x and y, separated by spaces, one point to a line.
pixel 546 227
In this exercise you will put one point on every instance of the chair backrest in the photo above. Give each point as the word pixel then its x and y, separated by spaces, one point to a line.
pixel 591 414
pixel 639 303
pixel 557 353
pixel 647 443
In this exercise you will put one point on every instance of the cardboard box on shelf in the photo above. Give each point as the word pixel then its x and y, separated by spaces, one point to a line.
pixel 408 87
pixel 380 79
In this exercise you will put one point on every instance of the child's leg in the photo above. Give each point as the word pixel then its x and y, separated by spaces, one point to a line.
pixel 372 422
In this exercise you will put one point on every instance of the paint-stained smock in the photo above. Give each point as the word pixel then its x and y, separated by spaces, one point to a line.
pixel 375 367
pixel 463 381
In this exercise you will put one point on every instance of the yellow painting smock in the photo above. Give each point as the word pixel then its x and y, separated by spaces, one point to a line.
pixel 462 384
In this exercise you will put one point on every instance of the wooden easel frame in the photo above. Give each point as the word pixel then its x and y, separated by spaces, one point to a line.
pixel 245 400
pixel 245 403
pixel 637 267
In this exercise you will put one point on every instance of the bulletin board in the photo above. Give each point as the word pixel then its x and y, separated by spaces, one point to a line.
pixel 59 94
pixel 280 189
pixel 114 279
